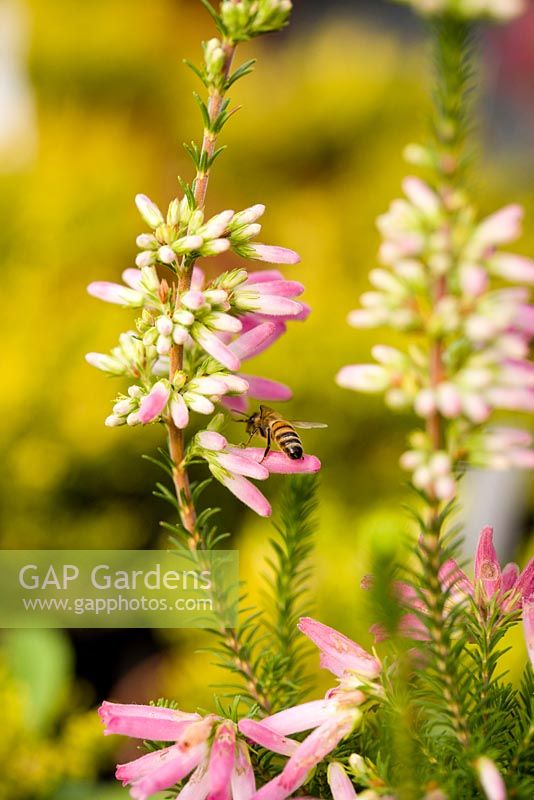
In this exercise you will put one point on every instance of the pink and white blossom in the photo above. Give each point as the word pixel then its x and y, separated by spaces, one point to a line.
pixel 204 748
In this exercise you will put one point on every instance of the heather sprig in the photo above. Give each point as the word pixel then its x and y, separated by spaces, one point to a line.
pixel 192 335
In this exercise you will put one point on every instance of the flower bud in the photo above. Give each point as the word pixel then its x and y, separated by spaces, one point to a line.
pixel 166 254
pixel 245 233
pixel 230 280
pixel 364 378
pixel 490 779
pixel 216 297
pixel 196 219
pixel 150 279
pixel 164 325
pixel 173 213
pixel 146 241
pixel 179 335
pixel 145 258
pixel 105 363
pixel 114 421
pixel 214 247
pixel 132 347
pixel 187 244
pixel 248 216
pixel 163 345
pixel 183 317
pixel 211 440
pixel 148 210
pixel 124 407
pixel 179 379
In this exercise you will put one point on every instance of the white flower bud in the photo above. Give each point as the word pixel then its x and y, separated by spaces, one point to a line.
pixel 217 225
pixel 148 210
pixel 124 407
pixel 216 297
pixel 196 219
pixel 131 346
pixel 214 247
pixel 183 317
pixel 199 403
pixel 187 244
pixel 146 241
pixel 440 464
pixel 164 325
pixel 248 216
pixel 149 278
pixel 425 403
pixel 223 322
pixel 245 233
pixel 113 421
pixel 180 335
pixel 166 254
pixel 173 213
pixel 105 363
pixel 163 345
pixel 232 279
pixel 145 258
pixel 150 337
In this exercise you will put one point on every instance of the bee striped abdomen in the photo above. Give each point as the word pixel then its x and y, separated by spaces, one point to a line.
pixel 287 439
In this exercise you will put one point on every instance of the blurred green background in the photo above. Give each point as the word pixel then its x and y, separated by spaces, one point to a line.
pixel 102 104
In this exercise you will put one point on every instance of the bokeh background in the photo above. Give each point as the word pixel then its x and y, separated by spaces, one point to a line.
pixel 94 105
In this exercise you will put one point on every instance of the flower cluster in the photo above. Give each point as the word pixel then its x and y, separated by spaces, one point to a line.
pixel 506 590
pixel 434 283
pixel 498 10
pixel 213 751
pixel 205 748
pixel 330 720
pixel 217 325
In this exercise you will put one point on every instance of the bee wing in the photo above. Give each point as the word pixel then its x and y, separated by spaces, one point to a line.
pixel 297 423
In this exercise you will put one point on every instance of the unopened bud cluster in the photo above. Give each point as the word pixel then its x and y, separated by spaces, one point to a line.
pixel 245 19
pixel 184 233
pixel 435 282
pixel 497 10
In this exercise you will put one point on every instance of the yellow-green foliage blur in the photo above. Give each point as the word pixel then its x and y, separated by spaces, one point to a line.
pixel 319 138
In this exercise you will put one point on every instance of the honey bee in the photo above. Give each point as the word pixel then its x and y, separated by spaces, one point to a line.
pixel 269 424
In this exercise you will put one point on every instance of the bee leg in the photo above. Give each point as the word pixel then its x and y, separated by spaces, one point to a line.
pixel 268 448
pixel 250 438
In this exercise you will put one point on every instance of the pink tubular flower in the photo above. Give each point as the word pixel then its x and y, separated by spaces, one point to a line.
pixel 279 463
pixel 490 779
pixel 245 491
pixel 317 745
pixel 230 465
pixel 147 722
pixel 330 720
pixel 508 586
pixel 340 783
pixel 116 293
pixel 272 254
pixel 339 654
pixel 154 402
pixel 204 748
pixel 212 344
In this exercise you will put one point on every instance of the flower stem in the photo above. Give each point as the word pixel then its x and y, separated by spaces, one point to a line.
pixel 186 506
pixel 182 486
